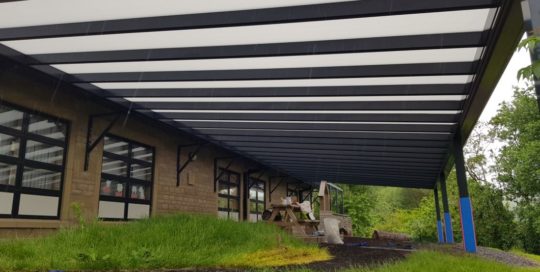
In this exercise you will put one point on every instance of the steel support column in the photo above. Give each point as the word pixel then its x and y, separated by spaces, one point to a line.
pixel 531 17
pixel 465 206
pixel 448 231
pixel 440 235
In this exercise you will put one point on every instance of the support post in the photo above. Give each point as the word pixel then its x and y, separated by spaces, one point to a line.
pixel 438 211
pixel 531 18
pixel 448 231
pixel 465 206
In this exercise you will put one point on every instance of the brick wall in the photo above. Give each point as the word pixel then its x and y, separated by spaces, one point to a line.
pixel 44 95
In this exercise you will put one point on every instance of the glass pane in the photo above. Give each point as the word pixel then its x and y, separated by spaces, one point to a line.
pixel 140 192
pixel 9 145
pixel 260 195
pixel 234 178
pixel 222 203
pixel 252 194
pixel 233 191
pixel 112 188
pixel 46 127
pixel 260 207
pixel 234 216
pixel 114 167
pixel 223 189
pixel 224 176
pixel 233 205
pixel 41 178
pixel 141 153
pixel 253 207
pixel 42 152
pixel 116 146
pixel 141 172
pixel 8 173
pixel 10 118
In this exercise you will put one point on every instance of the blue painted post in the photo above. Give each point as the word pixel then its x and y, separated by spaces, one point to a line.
pixel 438 211
pixel 448 231
pixel 465 206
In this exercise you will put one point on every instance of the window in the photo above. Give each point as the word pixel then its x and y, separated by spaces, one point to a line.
pixel 126 180
pixel 32 158
pixel 257 199
pixel 336 198
pixel 229 195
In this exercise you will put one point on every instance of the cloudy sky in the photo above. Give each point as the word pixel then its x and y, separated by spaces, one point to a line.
pixel 503 91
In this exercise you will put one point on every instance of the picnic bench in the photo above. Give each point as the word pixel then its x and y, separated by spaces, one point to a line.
pixel 290 221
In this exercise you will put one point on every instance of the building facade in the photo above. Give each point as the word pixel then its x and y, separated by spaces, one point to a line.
pixel 130 173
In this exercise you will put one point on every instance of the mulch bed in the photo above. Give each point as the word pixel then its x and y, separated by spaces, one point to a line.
pixel 347 256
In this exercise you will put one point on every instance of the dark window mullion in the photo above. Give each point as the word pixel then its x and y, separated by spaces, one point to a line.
pixel 11 131
pixel 114 177
pixel 126 158
pixel 46 140
pixel 20 166
pixel 10 160
pixel 127 194
pixel 42 165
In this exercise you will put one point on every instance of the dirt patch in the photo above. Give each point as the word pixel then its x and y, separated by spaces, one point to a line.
pixel 346 256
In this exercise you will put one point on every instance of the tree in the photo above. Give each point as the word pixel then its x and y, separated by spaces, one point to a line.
pixel 493 220
pixel 359 204
pixel 517 126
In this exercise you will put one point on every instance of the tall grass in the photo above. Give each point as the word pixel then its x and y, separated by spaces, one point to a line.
pixel 161 242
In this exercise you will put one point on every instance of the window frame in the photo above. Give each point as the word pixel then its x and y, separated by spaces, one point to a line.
pixel 257 200
pixel 20 161
pixel 127 180
pixel 336 199
pixel 228 196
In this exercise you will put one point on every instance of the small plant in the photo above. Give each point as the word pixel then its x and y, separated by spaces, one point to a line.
pixel 533 70
pixel 77 210
pixel 92 257
pixel 141 257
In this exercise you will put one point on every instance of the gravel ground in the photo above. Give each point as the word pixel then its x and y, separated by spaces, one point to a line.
pixel 505 257
pixel 491 254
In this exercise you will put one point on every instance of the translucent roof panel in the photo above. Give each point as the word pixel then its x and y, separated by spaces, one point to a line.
pixel 363 92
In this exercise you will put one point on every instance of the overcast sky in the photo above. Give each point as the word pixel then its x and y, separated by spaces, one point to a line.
pixel 503 91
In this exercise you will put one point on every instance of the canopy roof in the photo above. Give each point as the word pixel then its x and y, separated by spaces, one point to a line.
pixel 364 92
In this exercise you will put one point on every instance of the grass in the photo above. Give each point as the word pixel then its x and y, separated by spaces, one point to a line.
pixel 161 242
pixel 201 241
pixel 439 261
pixel 434 261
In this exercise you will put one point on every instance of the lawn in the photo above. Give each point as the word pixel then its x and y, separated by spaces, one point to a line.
pixel 182 241
pixel 431 261
pixel 161 242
